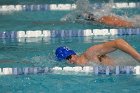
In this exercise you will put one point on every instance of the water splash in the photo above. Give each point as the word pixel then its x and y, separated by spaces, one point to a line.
pixel 136 20
pixel 83 6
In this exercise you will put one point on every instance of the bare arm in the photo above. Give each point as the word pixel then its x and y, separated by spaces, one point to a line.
pixel 111 46
pixel 101 49
pixel 115 21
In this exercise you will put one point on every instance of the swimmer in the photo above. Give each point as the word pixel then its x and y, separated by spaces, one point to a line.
pixel 111 20
pixel 97 53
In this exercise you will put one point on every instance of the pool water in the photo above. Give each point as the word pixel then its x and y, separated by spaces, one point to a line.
pixel 51 83
pixel 39 52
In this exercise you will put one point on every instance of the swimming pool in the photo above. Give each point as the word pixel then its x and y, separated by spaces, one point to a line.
pixel 28 44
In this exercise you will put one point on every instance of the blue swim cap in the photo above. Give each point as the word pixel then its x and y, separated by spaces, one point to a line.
pixel 63 52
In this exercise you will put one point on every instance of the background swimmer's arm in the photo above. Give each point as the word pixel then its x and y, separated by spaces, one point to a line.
pixel 115 21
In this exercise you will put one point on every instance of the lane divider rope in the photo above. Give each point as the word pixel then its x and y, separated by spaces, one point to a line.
pixel 44 7
pixel 95 70
pixel 69 33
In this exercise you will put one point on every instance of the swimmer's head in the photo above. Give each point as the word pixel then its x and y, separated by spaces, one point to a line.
pixel 64 53
pixel 88 16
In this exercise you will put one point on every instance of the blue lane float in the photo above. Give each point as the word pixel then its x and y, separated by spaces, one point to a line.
pixel 69 33
pixel 8 34
pixel 95 70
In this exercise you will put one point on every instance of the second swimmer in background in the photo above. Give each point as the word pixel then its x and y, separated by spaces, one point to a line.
pixel 108 20
pixel 103 15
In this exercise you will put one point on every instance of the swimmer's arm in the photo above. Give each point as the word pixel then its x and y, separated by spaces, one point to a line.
pixel 115 21
pixel 111 46
pixel 99 52
pixel 101 49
